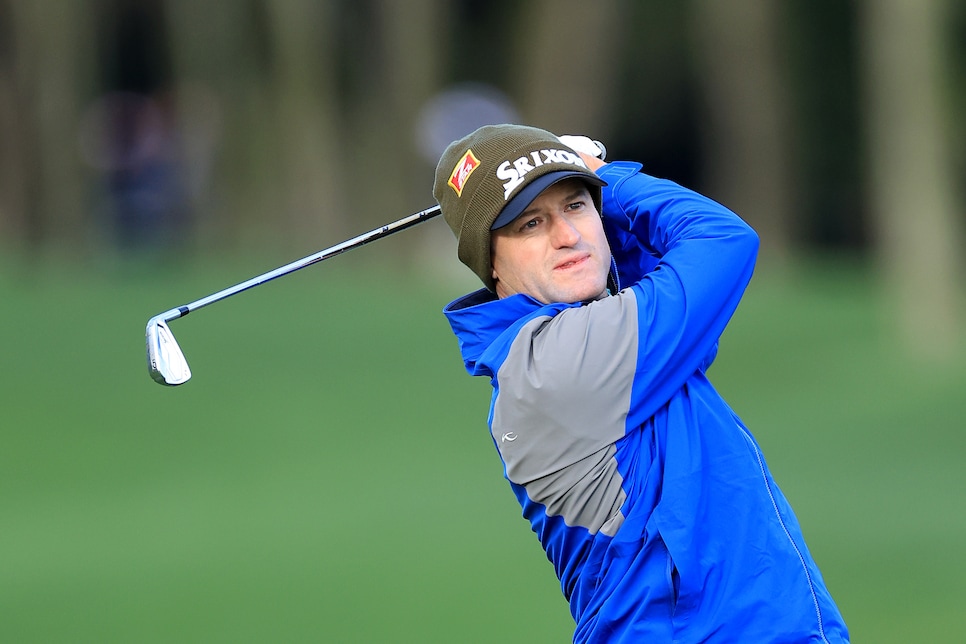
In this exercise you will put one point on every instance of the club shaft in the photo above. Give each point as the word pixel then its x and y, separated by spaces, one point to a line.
pixel 355 242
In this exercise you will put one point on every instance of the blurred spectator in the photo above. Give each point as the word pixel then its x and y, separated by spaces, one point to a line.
pixel 131 140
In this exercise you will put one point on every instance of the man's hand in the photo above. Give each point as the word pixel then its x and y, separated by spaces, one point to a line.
pixel 592 152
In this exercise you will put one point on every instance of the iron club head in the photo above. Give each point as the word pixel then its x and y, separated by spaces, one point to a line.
pixel 166 362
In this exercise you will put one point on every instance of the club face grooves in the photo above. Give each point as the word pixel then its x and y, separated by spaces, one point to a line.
pixel 166 362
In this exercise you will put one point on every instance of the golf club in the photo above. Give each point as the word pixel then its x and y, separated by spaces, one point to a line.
pixel 166 362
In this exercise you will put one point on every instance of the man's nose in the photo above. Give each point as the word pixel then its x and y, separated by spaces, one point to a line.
pixel 564 232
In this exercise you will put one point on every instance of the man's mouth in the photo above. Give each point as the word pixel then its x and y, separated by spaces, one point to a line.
pixel 572 262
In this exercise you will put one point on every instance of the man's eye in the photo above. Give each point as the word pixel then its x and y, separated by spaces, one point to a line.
pixel 577 205
pixel 532 223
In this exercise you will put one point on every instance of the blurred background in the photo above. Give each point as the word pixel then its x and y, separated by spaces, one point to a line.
pixel 327 475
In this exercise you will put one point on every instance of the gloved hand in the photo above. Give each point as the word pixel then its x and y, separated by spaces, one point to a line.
pixel 584 145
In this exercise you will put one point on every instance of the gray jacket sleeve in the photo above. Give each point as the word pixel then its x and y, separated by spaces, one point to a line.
pixel 555 439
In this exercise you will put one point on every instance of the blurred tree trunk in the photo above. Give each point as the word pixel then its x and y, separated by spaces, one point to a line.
pixel 403 68
pixel 270 66
pixel 51 82
pixel 912 194
pixel 304 159
pixel 747 156
pixel 13 149
pixel 310 149
pixel 566 76
pixel 218 52
pixel 414 33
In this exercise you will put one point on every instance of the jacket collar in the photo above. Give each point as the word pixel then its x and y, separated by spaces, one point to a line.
pixel 479 318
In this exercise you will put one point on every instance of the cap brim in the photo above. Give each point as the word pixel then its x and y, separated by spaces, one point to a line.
pixel 532 190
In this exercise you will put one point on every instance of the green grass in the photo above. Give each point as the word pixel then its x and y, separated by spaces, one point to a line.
pixel 335 480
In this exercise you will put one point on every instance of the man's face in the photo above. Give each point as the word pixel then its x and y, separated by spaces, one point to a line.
pixel 555 251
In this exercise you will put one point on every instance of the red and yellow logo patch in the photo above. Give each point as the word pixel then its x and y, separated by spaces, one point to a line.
pixel 464 168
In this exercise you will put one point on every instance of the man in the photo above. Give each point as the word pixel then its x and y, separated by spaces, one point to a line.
pixel 605 296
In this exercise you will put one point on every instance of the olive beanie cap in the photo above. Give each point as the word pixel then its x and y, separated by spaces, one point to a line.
pixel 487 178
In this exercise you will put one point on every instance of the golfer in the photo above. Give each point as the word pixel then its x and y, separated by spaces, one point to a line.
pixel 605 293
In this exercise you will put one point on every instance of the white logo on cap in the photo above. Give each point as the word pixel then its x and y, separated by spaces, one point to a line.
pixel 513 171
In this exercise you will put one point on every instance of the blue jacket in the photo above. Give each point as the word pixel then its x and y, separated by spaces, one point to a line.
pixel 649 495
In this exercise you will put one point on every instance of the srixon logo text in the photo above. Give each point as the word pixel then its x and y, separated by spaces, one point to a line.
pixel 512 172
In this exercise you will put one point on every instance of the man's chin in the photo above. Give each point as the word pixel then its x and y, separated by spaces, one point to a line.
pixel 581 286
